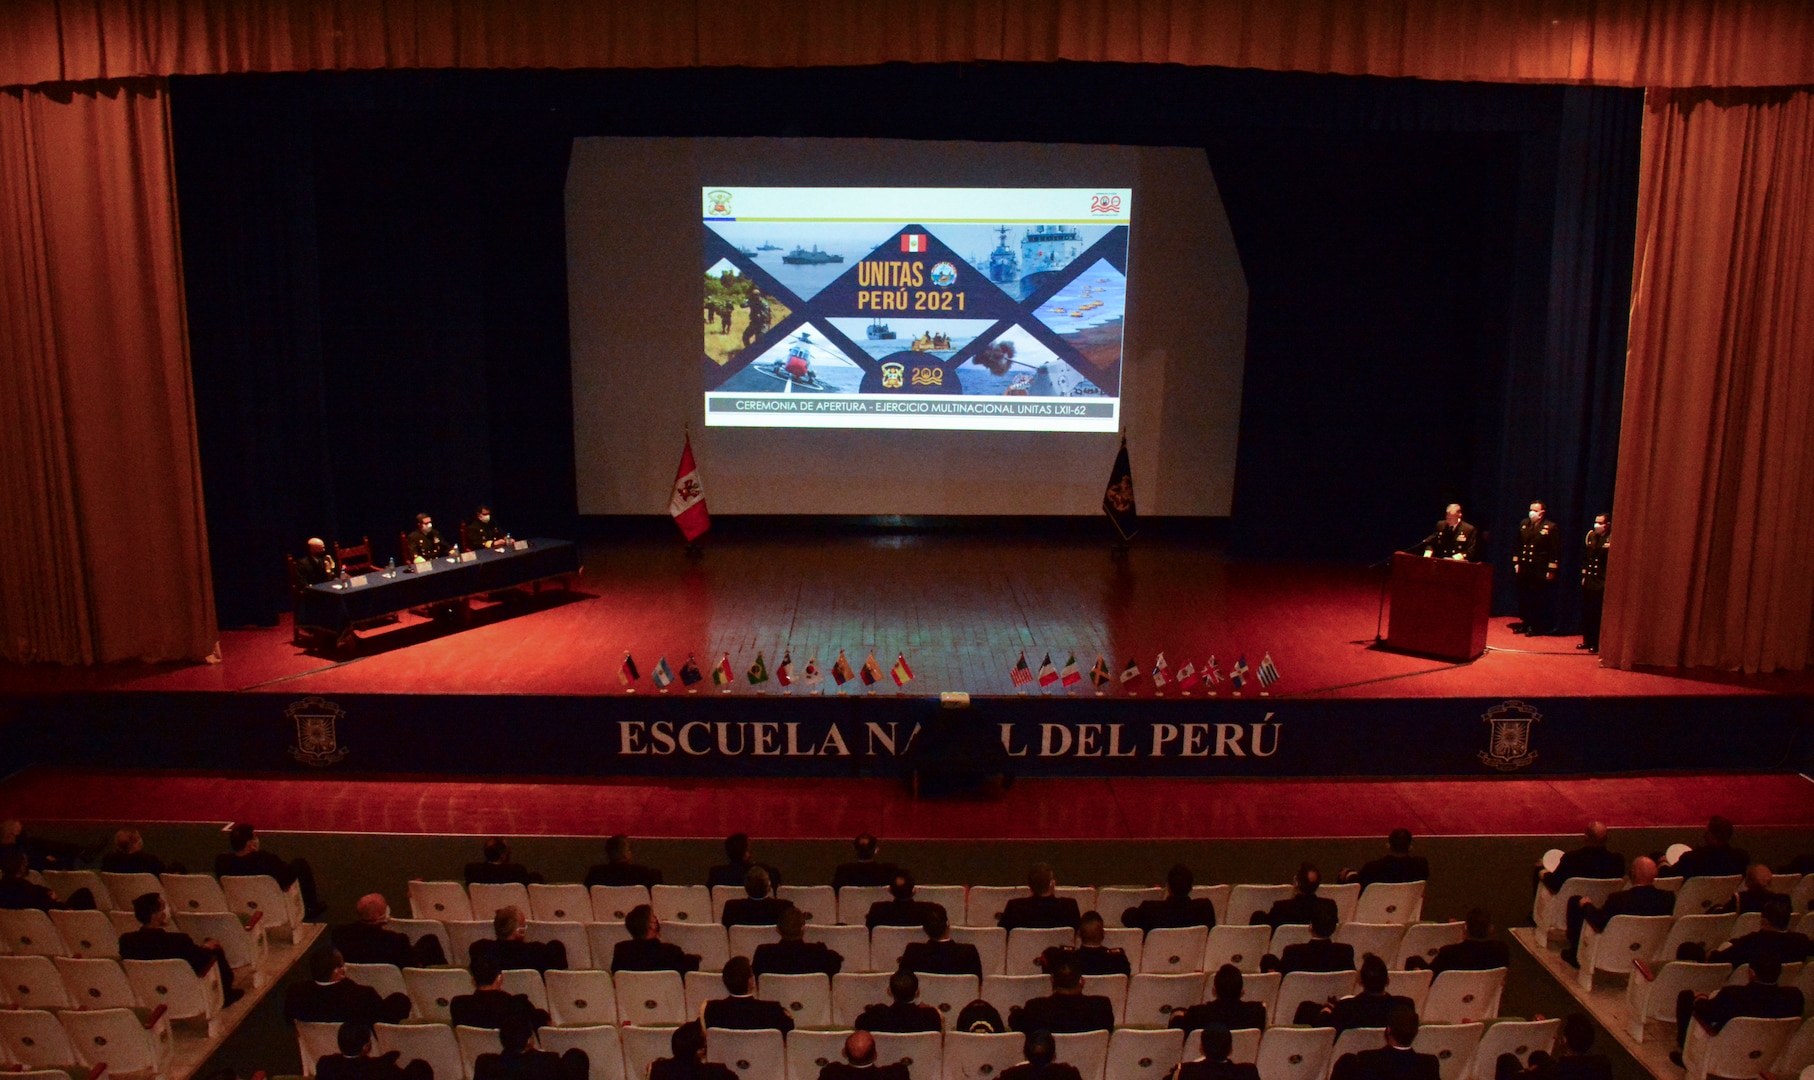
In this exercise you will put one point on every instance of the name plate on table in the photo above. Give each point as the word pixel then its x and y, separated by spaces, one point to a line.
pixel 520 545
pixel 358 581
pixel 468 556
pixel 423 567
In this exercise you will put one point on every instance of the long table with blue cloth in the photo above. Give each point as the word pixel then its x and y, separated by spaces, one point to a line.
pixel 338 606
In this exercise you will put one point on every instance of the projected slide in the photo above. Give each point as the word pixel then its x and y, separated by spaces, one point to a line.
pixel 958 308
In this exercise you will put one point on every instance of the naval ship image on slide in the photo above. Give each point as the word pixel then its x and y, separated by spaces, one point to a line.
pixel 802 257
pixel 1045 250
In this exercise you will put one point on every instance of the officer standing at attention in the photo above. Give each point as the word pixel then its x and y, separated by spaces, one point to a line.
pixel 1593 580
pixel 1453 538
pixel 1534 568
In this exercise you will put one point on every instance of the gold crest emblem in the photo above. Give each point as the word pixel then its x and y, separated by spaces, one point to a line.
pixel 928 376
pixel 316 740
pixel 892 375
pixel 720 202
pixel 1509 741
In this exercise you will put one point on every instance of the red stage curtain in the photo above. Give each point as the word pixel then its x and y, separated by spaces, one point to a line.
pixel 100 483
pixel 1711 562
pixel 1624 42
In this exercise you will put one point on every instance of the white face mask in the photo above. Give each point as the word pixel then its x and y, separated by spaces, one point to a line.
pixel 484 517
pixel 1535 514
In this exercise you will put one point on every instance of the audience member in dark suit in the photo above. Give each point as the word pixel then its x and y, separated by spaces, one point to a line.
pixel 1716 857
pixel 903 1015
pixel 793 954
pixel 1479 951
pixel 1574 1058
pixel 867 870
pixel 246 859
pixel 497 869
pixel 860 1062
pixel 1302 905
pixel 741 861
pixel 1176 910
pixel 511 949
pixel 153 940
pixel 1759 996
pixel 329 997
pixel 1774 937
pixel 645 951
pixel 620 867
pixel 1041 1063
pixel 688 1062
pixel 520 1062
pixel 1395 866
pixel 40 854
pixel 1224 1007
pixel 315 567
pixel 18 892
pixel 490 1005
pixel 1643 898
pixel 1217 1044
pixel 1090 956
pixel 1317 954
pixel 1393 1061
pixel 128 856
pixel 757 907
pixel 903 910
pixel 355 1062
pixel 1066 1009
pixel 368 941
pixel 1043 909
pixel 938 954
pixel 1590 860
pixel 742 1010
pixel 1372 1007
pixel 1754 895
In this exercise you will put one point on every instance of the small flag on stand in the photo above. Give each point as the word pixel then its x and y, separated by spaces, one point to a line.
pixel 626 671
pixel 1130 672
pixel 663 674
pixel 1187 676
pixel 1212 672
pixel 1099 675
pixel 813 677
pixel 1048 674
pixel 1070 676
pixel 721 673
pixel 758 672
pixel 784 674
pixel 1159 678
pixel 1268 673
pixel 1237 675
pixel 1022 674
pixel 689 671
pixel 840 671
pixel 1118 498
pixel 872 671
pixel 901 672
pixel 687 503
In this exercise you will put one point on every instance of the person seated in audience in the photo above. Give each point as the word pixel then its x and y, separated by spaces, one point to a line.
pixel 521 1061
pixel 1317 954
pixel 867 870
pixel 1573 1059
pixel 18 892
pixel 329 997
pixel 1177 909
pixel 938 954
pixel 1396 866
pixel 742 1010
pixel 1716 857
pixel 1395 1060
pixel 1590 860
pixel 355 1060
pixel 1643 898
pixel 1372 1007
pixel 368 941
pixel 904 1014
pixel 490 1005
pixel 903 909
pixel 1758 996
pixel 511 948
pixel 688 1063
pixel 425 542
pixel 1066 1009
pixel 860 1062
pixel 1774 938
pixel 316 565
pixel 980 1018
pixel 497 869
pixel 1217 1043
pixel 1224 1006
pixel 741 861
pixel 1479 951
pixel 793 954
pixel 620 867
pixel 1090 956
pixel 1301 906
pixel 1755 894
pixel 246 859
pixel 483 532
pixel 154 940
pixel 645 951
pixel 758 907
pixel 40 854
pixel 128 856
pixel 1042 1061
pixel 1044 908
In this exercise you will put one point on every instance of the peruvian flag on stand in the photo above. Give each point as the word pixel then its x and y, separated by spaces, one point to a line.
pixel 687 503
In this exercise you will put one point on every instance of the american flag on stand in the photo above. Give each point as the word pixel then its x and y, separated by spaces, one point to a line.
pixel 1022 674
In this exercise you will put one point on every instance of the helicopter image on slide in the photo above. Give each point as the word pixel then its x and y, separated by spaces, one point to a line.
pixel 796 370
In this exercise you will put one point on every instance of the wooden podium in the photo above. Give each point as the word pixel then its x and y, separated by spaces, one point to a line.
pixel 1439 607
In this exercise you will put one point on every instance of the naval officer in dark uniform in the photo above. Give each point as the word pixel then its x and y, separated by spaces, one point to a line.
pixel 482 532
pixel 1593 580
pixel 1453 538
pixel 426 542
pixel 1534 567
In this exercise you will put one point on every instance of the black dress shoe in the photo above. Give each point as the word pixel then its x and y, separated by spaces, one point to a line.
pixel 1584 645
pixel 1568 957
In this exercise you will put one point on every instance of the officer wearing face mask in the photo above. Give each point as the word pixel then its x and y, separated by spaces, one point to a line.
pixel 1593 580
pixel 1534 568
pixel 482 531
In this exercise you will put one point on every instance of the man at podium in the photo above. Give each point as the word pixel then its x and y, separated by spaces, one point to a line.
pixel 1453 538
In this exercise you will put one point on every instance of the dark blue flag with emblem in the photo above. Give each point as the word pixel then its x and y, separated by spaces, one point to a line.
pixel 1118 499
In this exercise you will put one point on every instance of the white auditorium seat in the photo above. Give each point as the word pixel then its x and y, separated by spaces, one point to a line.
pixel 642 1047
pixel 1242 946
pixel 1009 992
pixel 1390 901
pixel 87 933
pixel 33 1038
pixel 602 1046
pixel 581 998
pixel 461 934
pixel 1516 1037
pixel 854 902
pixel 1625 939
pixel 1295 1053
pixel 29 932
pixel 708 941
pixel 1025 944
pixel 976 1056
pixel 1745 1047
pixel 66 883
pixel 984 904
pixel 96 983
pixel 646 998
pixel 432 1043
pixel 744 939
pixel 246 947
pixel 1452 1045
pixel 949 994
pixel 572 936
pixel 887 943
pixel 1246 901
pixel 1347 900
pixel 1085 1051
pixel 1699 895
pixel 921 1051
pixel 1380 939
pixel 1301 986
pixel 807 998
pixel 1425 939
pixel 118 1039
pixel 991 946
pixel 681 903
pixel 817 902
pixel 315 1041
pixel 808 1052
pixel 1152 999
pixel 1549 910
pixel 432 990
pixel 1173 950
pixel 752 1055
pixel 486 898
pixel 568 903
pixel 193 893
pixel 282 908
pixel 613 903
pixel 527 982
pixel 854 991
pixel 474 1041
pixel 387 979
pixel 1115 901
pixel 32 982
pixel 1462 997
pixel 174 983
pixel 1113 987
pixel 1143 1055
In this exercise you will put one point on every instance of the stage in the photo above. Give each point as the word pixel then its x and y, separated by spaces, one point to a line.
pixel 530 686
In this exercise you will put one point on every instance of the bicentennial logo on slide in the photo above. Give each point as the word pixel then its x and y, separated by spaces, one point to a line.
pixel 948 308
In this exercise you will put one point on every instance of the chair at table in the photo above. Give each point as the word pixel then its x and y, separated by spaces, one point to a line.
pixel 356 558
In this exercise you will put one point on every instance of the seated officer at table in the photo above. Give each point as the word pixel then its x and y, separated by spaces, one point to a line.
pixel 317 566
pixel 426 542
pixel 1453 538
pixel 482 531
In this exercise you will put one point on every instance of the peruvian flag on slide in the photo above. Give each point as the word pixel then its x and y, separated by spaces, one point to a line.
pixel 913 241
pixel 687 503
